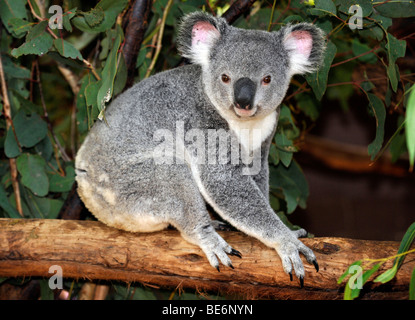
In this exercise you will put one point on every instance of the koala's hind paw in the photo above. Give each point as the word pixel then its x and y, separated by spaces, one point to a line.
pixel 289 252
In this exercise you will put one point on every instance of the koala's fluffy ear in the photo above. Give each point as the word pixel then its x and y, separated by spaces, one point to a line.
pixel 305 44
pixel 198 32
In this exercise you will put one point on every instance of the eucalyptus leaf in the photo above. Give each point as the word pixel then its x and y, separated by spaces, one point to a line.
pixel 11 148
pixel 109 72
pixel 412 286
pixel 323 7
pixel 58 183
pixel 379 111
pixel 111 9
pixel 395 49
pixel 66 49
pixel 30 129
pixel 5 205
pixel 32 169
pixel 19 26
pixel 318 79
pixel 10 9
pixel 38 42
pixel 292 183
pixel 397 9
pixel 410 126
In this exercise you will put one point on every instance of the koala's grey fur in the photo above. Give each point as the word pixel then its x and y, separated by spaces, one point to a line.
pixel 125 185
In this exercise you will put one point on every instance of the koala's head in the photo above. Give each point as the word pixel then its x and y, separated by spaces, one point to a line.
pixel 246 73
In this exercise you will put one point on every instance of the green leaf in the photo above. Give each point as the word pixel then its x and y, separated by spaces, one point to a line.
pixel 94 17
pixel 397 9
pixel 348 271
pixel 38 41
pixel 111 10
pixel 360 48
pixel 57 183
pixel 91 92
pixel 121 77
pixel 318 80
pixel 366 6
pixel 395 49
pixel 45 207
pixel 378 108
pixel 406 242
pixel 19 27
pixel 354 293
pixel 308 104
pixel 323 7
pixel 5 205
pixel 410 126
pixel 109 72
pixel 397 144
pixel 66 49
pixel 32 169
pixel 412 286
pixel 12 9
pixel 13 70
pixel 292 183
pixel 67 16
pixel 387 275
pixel 30 129
pixel 11 148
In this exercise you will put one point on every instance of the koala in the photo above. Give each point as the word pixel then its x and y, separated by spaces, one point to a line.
pixel 200 134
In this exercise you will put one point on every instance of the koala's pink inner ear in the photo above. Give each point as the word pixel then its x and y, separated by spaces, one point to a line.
pixel 303 42
pixel 202 32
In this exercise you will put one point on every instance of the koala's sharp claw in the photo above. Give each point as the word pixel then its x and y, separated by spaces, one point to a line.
pixel 315 265
pixel 236 253
pixel 230 265
pixel 217 268
pixel 291 276
pixel 301 282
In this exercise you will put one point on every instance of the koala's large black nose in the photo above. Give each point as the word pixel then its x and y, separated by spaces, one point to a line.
pixel 244 93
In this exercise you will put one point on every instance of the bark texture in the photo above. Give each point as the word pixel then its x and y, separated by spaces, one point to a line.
pixel 91 250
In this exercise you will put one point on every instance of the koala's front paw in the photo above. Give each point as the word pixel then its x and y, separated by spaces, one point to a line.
pixel 289 249
pixel 216 248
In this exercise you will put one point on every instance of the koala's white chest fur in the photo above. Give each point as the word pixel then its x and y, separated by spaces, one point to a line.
pixel 251 133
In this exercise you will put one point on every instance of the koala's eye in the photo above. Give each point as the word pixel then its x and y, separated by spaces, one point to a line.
pixel 225 78
pixel 266 80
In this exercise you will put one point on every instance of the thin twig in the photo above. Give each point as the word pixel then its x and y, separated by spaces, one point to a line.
pixel 160 38
pixel 9 124
pixel 353 58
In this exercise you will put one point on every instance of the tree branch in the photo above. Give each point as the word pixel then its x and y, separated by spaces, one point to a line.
pixel 348 157
pixel 236 9
pixel 138 20
pixel 91 250
pixel 9 124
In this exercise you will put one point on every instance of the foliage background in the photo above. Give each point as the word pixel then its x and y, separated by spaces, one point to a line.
pixel 59 81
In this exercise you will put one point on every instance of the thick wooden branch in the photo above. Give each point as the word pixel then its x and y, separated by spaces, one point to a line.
pixel 91 250
pixel 350 158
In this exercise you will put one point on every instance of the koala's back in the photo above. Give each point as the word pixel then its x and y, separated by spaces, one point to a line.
pixel 115 162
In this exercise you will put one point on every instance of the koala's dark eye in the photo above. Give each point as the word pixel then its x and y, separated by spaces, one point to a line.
pixel 225 78
pixel 266 80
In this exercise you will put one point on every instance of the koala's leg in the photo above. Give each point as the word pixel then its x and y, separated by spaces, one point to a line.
pixel 239 200
pixel 176 199
pixel 192 218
